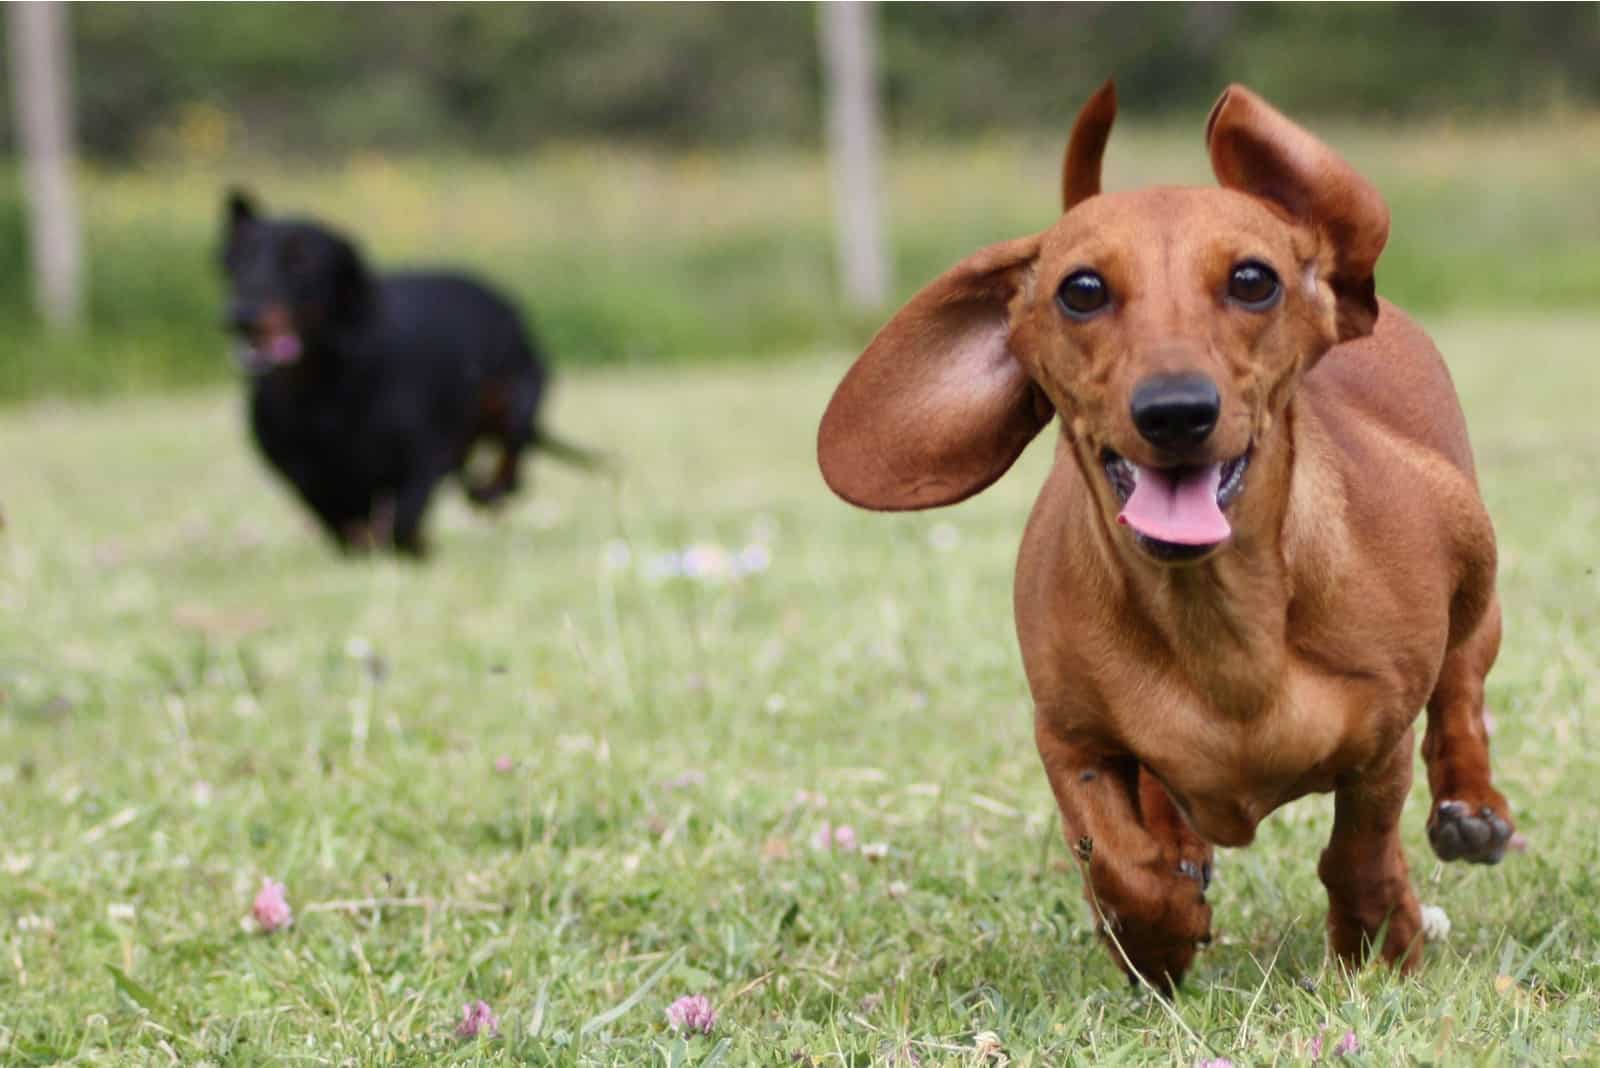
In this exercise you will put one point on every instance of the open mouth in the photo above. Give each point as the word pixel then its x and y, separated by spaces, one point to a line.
pixel 260 351
pixel 1176 512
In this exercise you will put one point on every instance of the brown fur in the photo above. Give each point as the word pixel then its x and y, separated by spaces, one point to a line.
pixel 1177 705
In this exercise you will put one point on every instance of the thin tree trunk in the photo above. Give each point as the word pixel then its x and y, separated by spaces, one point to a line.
pixel 849 58
pixel 41 89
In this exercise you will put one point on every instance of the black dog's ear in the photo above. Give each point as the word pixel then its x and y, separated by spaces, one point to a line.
pixel 238 207
pixel 241 207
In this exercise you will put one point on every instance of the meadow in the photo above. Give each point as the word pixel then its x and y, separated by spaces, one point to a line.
pixel 570 771
pixel 700 729
pixel 632 257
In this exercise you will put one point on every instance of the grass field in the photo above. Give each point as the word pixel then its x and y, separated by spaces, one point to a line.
pixel 633 257
pixel 557 778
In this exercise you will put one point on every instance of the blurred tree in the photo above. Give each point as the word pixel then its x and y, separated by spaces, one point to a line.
pixel 336 78
pixel 43 100
pixel 849 55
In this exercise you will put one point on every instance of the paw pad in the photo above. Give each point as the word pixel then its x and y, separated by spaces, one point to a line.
pixel 1458 833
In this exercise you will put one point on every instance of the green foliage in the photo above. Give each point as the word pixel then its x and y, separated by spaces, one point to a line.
pixel 195 692
pixel 332 78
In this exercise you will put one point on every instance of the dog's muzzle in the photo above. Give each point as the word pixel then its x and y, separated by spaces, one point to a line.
pixel 258 355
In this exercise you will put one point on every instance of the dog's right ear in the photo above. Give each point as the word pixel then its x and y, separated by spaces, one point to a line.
pixel 1257 150
pixel 938 406
pixel 241 207
pixel 1080 170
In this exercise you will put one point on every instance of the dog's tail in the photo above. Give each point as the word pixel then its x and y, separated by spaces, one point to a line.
pixel 582 458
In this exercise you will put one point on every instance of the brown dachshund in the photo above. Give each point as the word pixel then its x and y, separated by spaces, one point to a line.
pixel 1261 548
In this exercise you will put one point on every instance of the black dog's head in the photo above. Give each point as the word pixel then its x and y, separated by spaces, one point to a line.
pixel 294 286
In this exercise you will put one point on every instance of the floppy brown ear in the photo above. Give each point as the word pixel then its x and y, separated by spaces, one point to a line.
pixel 937 407
pixel 1256 150
pixel 1080 170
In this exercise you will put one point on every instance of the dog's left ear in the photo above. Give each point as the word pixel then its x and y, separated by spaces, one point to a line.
pixel 938 406
pixel 1256 150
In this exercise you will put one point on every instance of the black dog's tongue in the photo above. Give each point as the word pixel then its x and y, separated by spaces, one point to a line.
pixel 259 357
pixel 282 348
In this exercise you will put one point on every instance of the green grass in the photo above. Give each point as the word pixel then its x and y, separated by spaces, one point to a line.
pixel 196 693
pixel 631 257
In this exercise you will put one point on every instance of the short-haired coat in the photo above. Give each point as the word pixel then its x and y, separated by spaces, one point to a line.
pixel 1261 549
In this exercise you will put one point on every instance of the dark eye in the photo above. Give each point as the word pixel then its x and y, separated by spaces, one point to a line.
pixel 1082 294
pixel 1254 285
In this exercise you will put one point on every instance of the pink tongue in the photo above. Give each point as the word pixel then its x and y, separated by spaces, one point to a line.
pixel 1178 507
pixel 284 348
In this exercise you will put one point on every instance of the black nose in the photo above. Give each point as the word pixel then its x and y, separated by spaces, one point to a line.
pixel 1176 411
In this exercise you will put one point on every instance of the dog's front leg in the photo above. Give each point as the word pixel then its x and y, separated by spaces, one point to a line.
pixel 1145 869
pixel 1470 820
pixel 1364 869
pixel 408 506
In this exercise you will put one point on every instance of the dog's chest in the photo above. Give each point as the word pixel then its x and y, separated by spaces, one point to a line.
pixel 304 428
pixel 1228 771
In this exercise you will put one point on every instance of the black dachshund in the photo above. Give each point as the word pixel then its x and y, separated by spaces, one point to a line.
pixel 366 390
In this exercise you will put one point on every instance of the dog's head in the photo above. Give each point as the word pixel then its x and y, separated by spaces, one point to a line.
pixel 1167 326
pixel 294 285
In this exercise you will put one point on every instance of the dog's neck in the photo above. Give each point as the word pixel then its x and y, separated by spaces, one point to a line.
pixel 1224 622
pixel 330 353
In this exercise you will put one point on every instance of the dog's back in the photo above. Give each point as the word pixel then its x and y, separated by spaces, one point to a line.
pixel 431 315
pixel 1396 378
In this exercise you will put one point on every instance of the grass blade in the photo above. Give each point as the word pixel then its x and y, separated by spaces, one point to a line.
pixel 135 991
pixel 618 1010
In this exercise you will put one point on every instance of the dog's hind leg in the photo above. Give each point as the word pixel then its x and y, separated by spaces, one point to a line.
pixel 1145 870
pixel 509 415
pixel 1470 819
pixel 1364 869
pixel 505 481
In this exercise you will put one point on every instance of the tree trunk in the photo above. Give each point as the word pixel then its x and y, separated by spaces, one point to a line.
pixel 41 90
pixel 849 59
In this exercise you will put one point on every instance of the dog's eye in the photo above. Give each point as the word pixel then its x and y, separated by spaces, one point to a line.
pixel 1254 285
pixel 1082 294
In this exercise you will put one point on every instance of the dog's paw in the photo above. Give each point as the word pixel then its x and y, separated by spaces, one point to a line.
pixel 1456 832
pixel 487 494
pixel 1158 937
pixel 1160 957
pixel 1435 923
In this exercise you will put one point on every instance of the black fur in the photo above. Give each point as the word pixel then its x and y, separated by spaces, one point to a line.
pixel 366 390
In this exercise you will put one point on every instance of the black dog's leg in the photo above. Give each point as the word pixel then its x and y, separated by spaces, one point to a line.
pixel 344 520
pixel 411 504
pixel 509 411
pixel 507 476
